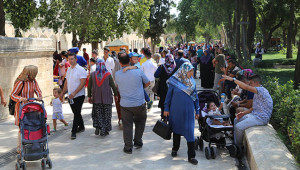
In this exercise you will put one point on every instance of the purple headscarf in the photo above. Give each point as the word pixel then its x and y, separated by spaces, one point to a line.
pixel 205 58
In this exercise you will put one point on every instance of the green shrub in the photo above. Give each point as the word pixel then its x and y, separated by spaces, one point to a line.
pixel 286 116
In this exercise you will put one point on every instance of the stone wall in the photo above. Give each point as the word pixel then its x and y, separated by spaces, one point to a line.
pixel 15 53
pixel 266 151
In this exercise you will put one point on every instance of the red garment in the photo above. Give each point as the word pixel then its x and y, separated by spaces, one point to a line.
pixel 55 71
pixel 86 57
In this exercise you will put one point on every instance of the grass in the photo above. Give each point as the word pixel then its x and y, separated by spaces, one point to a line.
pixel 266 67
pixel 284 75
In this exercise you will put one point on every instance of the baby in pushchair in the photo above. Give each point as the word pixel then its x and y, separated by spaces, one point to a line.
pixel 213 110
pixel 213 125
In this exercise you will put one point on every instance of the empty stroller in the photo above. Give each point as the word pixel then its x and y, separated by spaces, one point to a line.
pixel 213 134
pixel 34 135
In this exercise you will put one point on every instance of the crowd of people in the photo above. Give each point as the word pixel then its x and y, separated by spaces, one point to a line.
pixel 128 81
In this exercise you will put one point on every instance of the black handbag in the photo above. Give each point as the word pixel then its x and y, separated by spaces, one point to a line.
pixel 155 88
pixel 162 129
pixel 12 104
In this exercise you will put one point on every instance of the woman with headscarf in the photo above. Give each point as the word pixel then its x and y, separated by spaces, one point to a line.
pixel 206 70
pixel 164 72
pixel 180 105
pixel 100 95
pixel 25 87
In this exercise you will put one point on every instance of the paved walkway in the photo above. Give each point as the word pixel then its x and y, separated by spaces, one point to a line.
pixel 94 152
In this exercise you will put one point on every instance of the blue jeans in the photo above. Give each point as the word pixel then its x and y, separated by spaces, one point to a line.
pixel 242 124
pixel 146 97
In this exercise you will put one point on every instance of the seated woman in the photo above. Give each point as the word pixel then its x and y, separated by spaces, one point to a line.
pixel 258 115
pixel 214 110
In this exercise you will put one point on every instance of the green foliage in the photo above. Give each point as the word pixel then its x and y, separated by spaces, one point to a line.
pixel 95 20
pixel 138 12
pixel 160 14
pixel 286 116
pixel 21 13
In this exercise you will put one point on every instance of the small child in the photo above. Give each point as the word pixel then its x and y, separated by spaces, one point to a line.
pixel 214 110
pixel 134 61
pixel 57 108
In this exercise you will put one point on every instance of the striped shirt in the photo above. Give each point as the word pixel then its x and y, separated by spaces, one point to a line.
pixel 30 87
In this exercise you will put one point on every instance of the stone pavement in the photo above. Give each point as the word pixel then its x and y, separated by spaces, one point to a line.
pixel 95 152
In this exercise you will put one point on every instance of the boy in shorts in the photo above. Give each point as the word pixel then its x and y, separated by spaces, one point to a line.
pixel 57 109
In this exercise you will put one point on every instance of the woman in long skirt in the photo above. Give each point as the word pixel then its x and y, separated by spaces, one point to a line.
pixel 100 95
pixel 164 72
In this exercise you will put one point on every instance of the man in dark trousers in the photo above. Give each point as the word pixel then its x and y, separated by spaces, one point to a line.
pixel 75 81
pixel 131 86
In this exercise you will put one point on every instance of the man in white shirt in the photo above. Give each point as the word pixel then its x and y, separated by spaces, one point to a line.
pixel 149 68
pixel 75 81
pixel 109 61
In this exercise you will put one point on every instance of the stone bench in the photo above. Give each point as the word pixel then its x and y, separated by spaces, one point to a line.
pixel 265 150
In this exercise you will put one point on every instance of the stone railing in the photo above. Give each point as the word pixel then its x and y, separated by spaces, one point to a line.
pixel 265 150
pixel 15 53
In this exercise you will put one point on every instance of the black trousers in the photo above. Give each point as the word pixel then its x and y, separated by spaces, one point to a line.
pixel 138 116
pixel 76 109
pixel 191 146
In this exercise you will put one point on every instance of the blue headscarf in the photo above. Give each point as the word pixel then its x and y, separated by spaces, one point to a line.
pixel 206 58
pixel 181 81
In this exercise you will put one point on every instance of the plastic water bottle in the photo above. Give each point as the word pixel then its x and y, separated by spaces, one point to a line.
pixel 71 101
pixel 223 97
pixel 205 108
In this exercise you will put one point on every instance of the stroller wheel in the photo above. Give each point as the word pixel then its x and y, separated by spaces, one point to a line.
pixel 201 144
pixel 213 151
pixel 207 153
pixel 196 144
pixel 49 163
pixel 17 166
pixel 24 165
pixel 43 164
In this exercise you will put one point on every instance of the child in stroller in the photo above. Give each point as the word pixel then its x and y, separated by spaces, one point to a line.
pixel 214 134
pixel 214 110
pixel 34 135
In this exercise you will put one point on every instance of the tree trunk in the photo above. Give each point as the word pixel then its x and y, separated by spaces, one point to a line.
pixel 268 34
pixel 95 45
pixel 284 37
pixel 251 26
pixel 295 32
pixel 2 18
pixel 74 39
pixel 297 69
pixel 152 46
pixel 289 51
pixel 238 32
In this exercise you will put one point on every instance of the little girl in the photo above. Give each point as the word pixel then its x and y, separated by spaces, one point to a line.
pixel 57 108
pixel 214 110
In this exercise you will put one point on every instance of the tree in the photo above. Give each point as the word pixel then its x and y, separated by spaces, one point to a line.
pixel 297 69
pixel 252 25
pixel 271 15
pixel 92 21
pixel 2 18
pixel 160 14
pixel 289 53
pixel 187 20
pixel 138 12
pixel 22 13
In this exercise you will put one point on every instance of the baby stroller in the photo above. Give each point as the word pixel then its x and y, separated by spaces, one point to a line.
pixel 34 135
pixel 213 134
